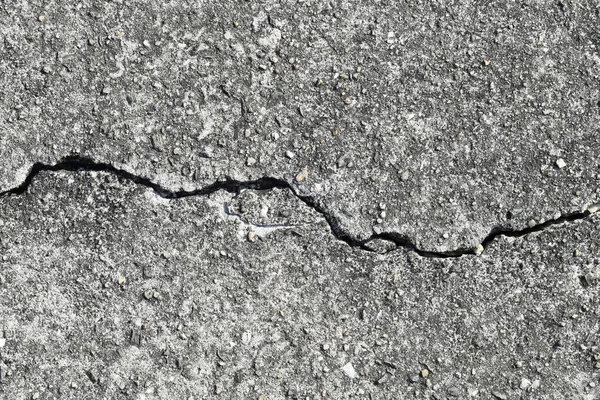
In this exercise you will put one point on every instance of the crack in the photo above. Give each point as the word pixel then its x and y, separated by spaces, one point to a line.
pixel 79 163
pixel 402 241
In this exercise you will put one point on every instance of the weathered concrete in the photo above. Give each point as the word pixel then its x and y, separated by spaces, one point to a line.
pixel 454 116
pixel 110 291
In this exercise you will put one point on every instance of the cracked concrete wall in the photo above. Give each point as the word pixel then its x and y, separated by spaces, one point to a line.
pixel 299 199
pixel 394 239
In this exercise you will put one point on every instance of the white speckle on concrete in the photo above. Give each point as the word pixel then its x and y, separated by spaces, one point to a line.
pixel 350 371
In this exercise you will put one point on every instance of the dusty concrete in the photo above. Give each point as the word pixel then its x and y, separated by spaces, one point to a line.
pixel 110 291
pixel 454 115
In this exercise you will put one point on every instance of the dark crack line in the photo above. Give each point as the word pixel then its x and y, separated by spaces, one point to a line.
pixel 79 163
pixel 402 241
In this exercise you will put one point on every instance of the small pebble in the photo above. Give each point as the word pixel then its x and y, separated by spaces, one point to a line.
pixel 425 373
pixel 289 154
pixel 405 175
pixel 499 395
pixel 532 223
pixel 594 208
pixel 251 236
pixel 302 175
pixel 350 371
pixel 41 18
pixel 264 211
pixel 250 161
pixel 219 388
pixel 560 163
pixel 479 250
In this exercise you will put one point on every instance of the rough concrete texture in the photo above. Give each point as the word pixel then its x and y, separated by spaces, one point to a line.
pixel 452 114
pixel 110 291
pixel 299 199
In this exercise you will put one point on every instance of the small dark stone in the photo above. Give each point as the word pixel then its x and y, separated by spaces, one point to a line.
pixel 92 376
pixel 136 338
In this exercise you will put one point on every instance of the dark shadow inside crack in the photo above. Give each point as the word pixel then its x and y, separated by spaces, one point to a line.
pixel 402 241
pixel 76 163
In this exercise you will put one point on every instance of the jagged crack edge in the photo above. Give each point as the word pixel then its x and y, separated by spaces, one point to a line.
pixel 79 163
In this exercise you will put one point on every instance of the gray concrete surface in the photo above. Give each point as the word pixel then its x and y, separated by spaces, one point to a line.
pixel 299 199
pixel 110 291
pixel 456 114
